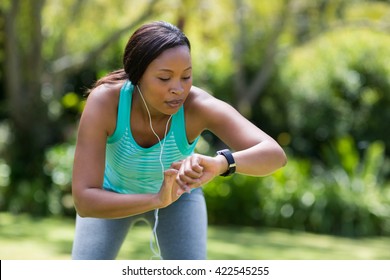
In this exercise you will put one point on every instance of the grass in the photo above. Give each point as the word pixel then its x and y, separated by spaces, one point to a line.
pixel 26 238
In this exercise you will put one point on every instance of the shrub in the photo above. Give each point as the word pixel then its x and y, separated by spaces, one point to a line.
pixel 350 199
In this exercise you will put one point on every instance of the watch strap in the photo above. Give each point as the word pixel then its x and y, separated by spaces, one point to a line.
pixel 231 162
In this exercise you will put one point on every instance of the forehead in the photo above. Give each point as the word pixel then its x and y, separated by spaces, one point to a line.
pixel 177 58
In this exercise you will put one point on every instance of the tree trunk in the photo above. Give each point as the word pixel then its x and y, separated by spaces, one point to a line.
pixel 247 92
pixel 28 116
pixel 32 129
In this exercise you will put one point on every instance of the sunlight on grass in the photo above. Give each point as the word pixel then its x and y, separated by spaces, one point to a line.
pixel 250 243
pixel 23 237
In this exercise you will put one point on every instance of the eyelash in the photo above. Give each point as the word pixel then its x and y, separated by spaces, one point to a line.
pixel 184 78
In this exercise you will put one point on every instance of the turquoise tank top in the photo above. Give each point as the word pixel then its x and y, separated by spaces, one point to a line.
pixel 132 169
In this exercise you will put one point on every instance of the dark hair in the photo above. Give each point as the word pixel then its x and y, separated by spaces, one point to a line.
pixel 145 45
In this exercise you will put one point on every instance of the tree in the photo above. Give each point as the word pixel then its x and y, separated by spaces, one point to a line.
pixel 247 91
pixel 33 81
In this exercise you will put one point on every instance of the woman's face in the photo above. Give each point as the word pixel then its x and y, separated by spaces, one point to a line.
pixel 167 81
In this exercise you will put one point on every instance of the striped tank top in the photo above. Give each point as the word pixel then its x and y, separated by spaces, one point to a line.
pixel 132 169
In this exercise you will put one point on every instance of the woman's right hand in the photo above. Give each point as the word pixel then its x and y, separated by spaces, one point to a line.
pixel 170 191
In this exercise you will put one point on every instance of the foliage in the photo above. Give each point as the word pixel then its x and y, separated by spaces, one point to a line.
pixel 58 166
pixel 341 83
pixel 46 43
pixel 326 77
pixel 349 199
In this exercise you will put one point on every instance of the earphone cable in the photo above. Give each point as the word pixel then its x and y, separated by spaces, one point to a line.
pixel 157 253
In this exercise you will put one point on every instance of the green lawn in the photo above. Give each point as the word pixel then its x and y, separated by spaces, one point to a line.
pixel 22 237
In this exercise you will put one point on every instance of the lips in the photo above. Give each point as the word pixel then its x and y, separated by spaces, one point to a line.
pixel 174 103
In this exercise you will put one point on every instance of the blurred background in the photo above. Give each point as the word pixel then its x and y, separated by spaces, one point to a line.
pixel 314 74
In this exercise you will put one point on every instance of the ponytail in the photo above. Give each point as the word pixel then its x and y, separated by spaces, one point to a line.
pixel 111 78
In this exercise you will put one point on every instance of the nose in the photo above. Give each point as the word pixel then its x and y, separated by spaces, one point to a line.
pixel 177 92
pixel 177 89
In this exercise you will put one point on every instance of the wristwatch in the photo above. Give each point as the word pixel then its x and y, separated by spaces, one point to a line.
pixel 231 163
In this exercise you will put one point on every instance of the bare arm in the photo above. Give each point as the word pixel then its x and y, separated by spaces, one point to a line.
pixel 97 122
pixel 255 152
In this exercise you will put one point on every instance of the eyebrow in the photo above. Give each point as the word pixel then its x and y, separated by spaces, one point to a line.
pixel 169 70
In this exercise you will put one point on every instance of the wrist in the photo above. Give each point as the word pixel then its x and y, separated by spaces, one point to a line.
pixel 223 165
pixel 157 202
pixel 229 164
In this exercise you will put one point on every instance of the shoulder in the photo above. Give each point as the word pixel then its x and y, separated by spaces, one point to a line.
pixel 204 111
pixel 104 94
pixel 197 104
pixel 199 100
pixel 102 106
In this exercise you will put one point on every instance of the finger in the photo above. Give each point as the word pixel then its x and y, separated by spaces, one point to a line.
pixel 176 165
pixel 180 191
pixel 196 164
pixel 177 191
pixel 170 182
pixel 183 180
pixel 170 171
pixel 183 187
pixel 190 171
pixel 170 176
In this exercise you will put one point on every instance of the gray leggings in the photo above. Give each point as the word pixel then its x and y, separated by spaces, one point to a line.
pixel 181 231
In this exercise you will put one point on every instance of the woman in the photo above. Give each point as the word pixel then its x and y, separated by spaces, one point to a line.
pixel 135 155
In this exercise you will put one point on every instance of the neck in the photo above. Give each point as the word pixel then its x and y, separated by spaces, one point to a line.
pixel 145 110
pixel 154 120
